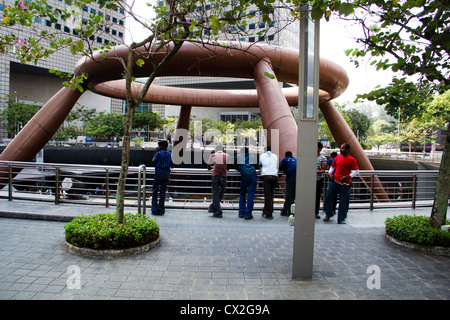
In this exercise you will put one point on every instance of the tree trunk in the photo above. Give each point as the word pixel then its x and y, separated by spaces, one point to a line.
pixel 441 197
pixel 132 104
pixel 120 195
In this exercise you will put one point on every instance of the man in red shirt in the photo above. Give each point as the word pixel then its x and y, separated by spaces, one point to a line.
pixel 343 169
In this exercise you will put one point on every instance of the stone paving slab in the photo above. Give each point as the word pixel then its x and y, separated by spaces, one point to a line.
pixel 205 258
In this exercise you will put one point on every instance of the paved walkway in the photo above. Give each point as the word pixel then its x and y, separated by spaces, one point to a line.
pixel 205 258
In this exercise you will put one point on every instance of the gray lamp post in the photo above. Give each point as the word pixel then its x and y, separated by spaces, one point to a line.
pixel 306 147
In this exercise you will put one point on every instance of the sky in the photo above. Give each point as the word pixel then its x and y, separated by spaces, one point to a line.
pixel 335 37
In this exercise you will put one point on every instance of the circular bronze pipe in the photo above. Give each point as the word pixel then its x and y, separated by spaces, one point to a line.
pixel 342 133
pixel 214 98
pixel 275 112
pixel 182 127
pixel 39 130
pixel 192 59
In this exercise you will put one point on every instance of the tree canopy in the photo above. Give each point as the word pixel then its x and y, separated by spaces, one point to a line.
pixel 411 38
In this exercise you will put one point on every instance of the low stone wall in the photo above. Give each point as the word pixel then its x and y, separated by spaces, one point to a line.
pixel 428 249
pixel 111 253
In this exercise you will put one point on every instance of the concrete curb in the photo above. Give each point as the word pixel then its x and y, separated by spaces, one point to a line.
pixel 111 253
pixel 443 251
pixel 36 216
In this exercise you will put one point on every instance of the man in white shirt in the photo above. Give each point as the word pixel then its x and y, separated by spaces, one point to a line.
pixel 268 162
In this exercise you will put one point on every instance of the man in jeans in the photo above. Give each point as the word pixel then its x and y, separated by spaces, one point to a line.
pixel 163 162
pixel 343 169
pixel 245 164
pixel 269 162
pixel 289 166
pixel 321 167
pixel 218 162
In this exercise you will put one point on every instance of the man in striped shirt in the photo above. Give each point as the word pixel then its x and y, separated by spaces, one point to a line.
pixel 321 167
pixel 163 163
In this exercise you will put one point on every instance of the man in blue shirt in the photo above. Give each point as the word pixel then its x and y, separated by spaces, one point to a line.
pixel 245 164
pixel 163 162
pixel 330 162
pixel 289 166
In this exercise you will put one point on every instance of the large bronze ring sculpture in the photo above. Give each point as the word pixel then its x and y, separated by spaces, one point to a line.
pixel 249 61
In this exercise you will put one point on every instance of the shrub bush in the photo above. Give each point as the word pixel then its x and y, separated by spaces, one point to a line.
pixel 417 229
pixel 366 146
pixel 101 231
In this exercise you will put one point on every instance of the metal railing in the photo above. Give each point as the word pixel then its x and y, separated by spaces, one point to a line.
pixel 414 156
pixel 189 188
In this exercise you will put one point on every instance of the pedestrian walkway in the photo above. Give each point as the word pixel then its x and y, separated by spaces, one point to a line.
pixel 204 258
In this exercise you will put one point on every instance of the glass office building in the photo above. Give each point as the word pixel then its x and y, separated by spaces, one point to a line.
pixel 34 84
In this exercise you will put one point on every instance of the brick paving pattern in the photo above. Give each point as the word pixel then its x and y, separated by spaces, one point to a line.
pixel 205 258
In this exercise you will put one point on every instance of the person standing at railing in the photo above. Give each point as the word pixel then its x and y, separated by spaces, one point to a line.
pixel 342 170
pixel 163 162
pixel 321 167
pixel 330 161
pixel 288 165
pixel 268 162
pixel 218 162
pixel 245 164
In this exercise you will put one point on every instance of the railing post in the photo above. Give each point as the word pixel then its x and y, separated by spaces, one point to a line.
pixel 372 191
pixel 324 190
pixel 414 191
pixel 107 188
pixel 139 189
pixel 10 185
pixel 144 191
pixel 57 187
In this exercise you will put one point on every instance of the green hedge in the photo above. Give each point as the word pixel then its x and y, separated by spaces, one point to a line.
pixel 417 229
pixel 101 231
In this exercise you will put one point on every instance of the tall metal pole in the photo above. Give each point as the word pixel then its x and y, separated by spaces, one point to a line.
pixel 302 266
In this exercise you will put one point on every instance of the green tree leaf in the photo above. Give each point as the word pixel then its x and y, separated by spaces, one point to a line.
pixel 140 62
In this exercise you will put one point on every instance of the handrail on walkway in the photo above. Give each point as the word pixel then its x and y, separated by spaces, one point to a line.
pixel 190 187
